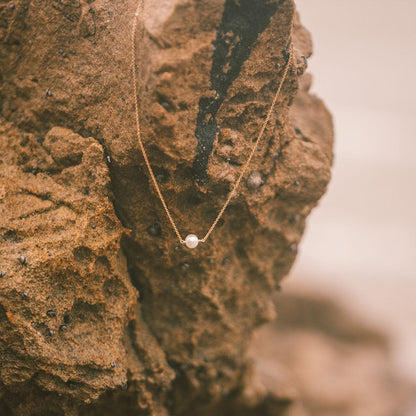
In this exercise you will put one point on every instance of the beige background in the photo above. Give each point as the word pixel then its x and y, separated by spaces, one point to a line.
pixel 360 244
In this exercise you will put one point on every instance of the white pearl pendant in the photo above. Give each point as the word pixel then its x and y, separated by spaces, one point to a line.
pixel 191 241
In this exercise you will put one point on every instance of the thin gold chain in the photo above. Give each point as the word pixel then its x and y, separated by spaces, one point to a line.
pixel 146 159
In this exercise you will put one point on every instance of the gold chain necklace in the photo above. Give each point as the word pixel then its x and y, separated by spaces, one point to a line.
pixel 191 240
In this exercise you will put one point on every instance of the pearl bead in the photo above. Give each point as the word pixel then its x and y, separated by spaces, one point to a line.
pixel 191 241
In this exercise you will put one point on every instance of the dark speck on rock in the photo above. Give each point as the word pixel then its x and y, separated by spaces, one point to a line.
pixel 2 274
pixel 113 365
pixel 25 295
pixel 51 332
pixel 67 318
pixel 71 384
pixel 93 226
pixel 62 53
pixel 63 328
pixel 294 219
pixel 22 259
pixel 184 266
pixel 297 183
pixel 225 261
pixel 155 230
pixel 51 313
pixel 12 6
pixel 286 54
pixel 48 93
pixel 161 178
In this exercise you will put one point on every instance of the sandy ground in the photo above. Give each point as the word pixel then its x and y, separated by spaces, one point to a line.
pixel 360 243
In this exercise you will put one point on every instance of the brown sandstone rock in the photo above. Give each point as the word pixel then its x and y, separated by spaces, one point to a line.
pixel 139 324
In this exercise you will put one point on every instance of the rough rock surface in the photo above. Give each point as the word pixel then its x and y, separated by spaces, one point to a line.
pixel 101 311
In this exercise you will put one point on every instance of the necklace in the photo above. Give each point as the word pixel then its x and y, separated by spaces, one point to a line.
pixel 191 240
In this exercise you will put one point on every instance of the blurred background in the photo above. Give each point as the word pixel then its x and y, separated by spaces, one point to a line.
pixel 360 243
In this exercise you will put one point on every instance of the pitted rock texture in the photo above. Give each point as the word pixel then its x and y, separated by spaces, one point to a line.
pixel 140 324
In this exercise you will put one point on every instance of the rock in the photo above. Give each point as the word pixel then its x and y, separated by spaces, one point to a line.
pixel 178 334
